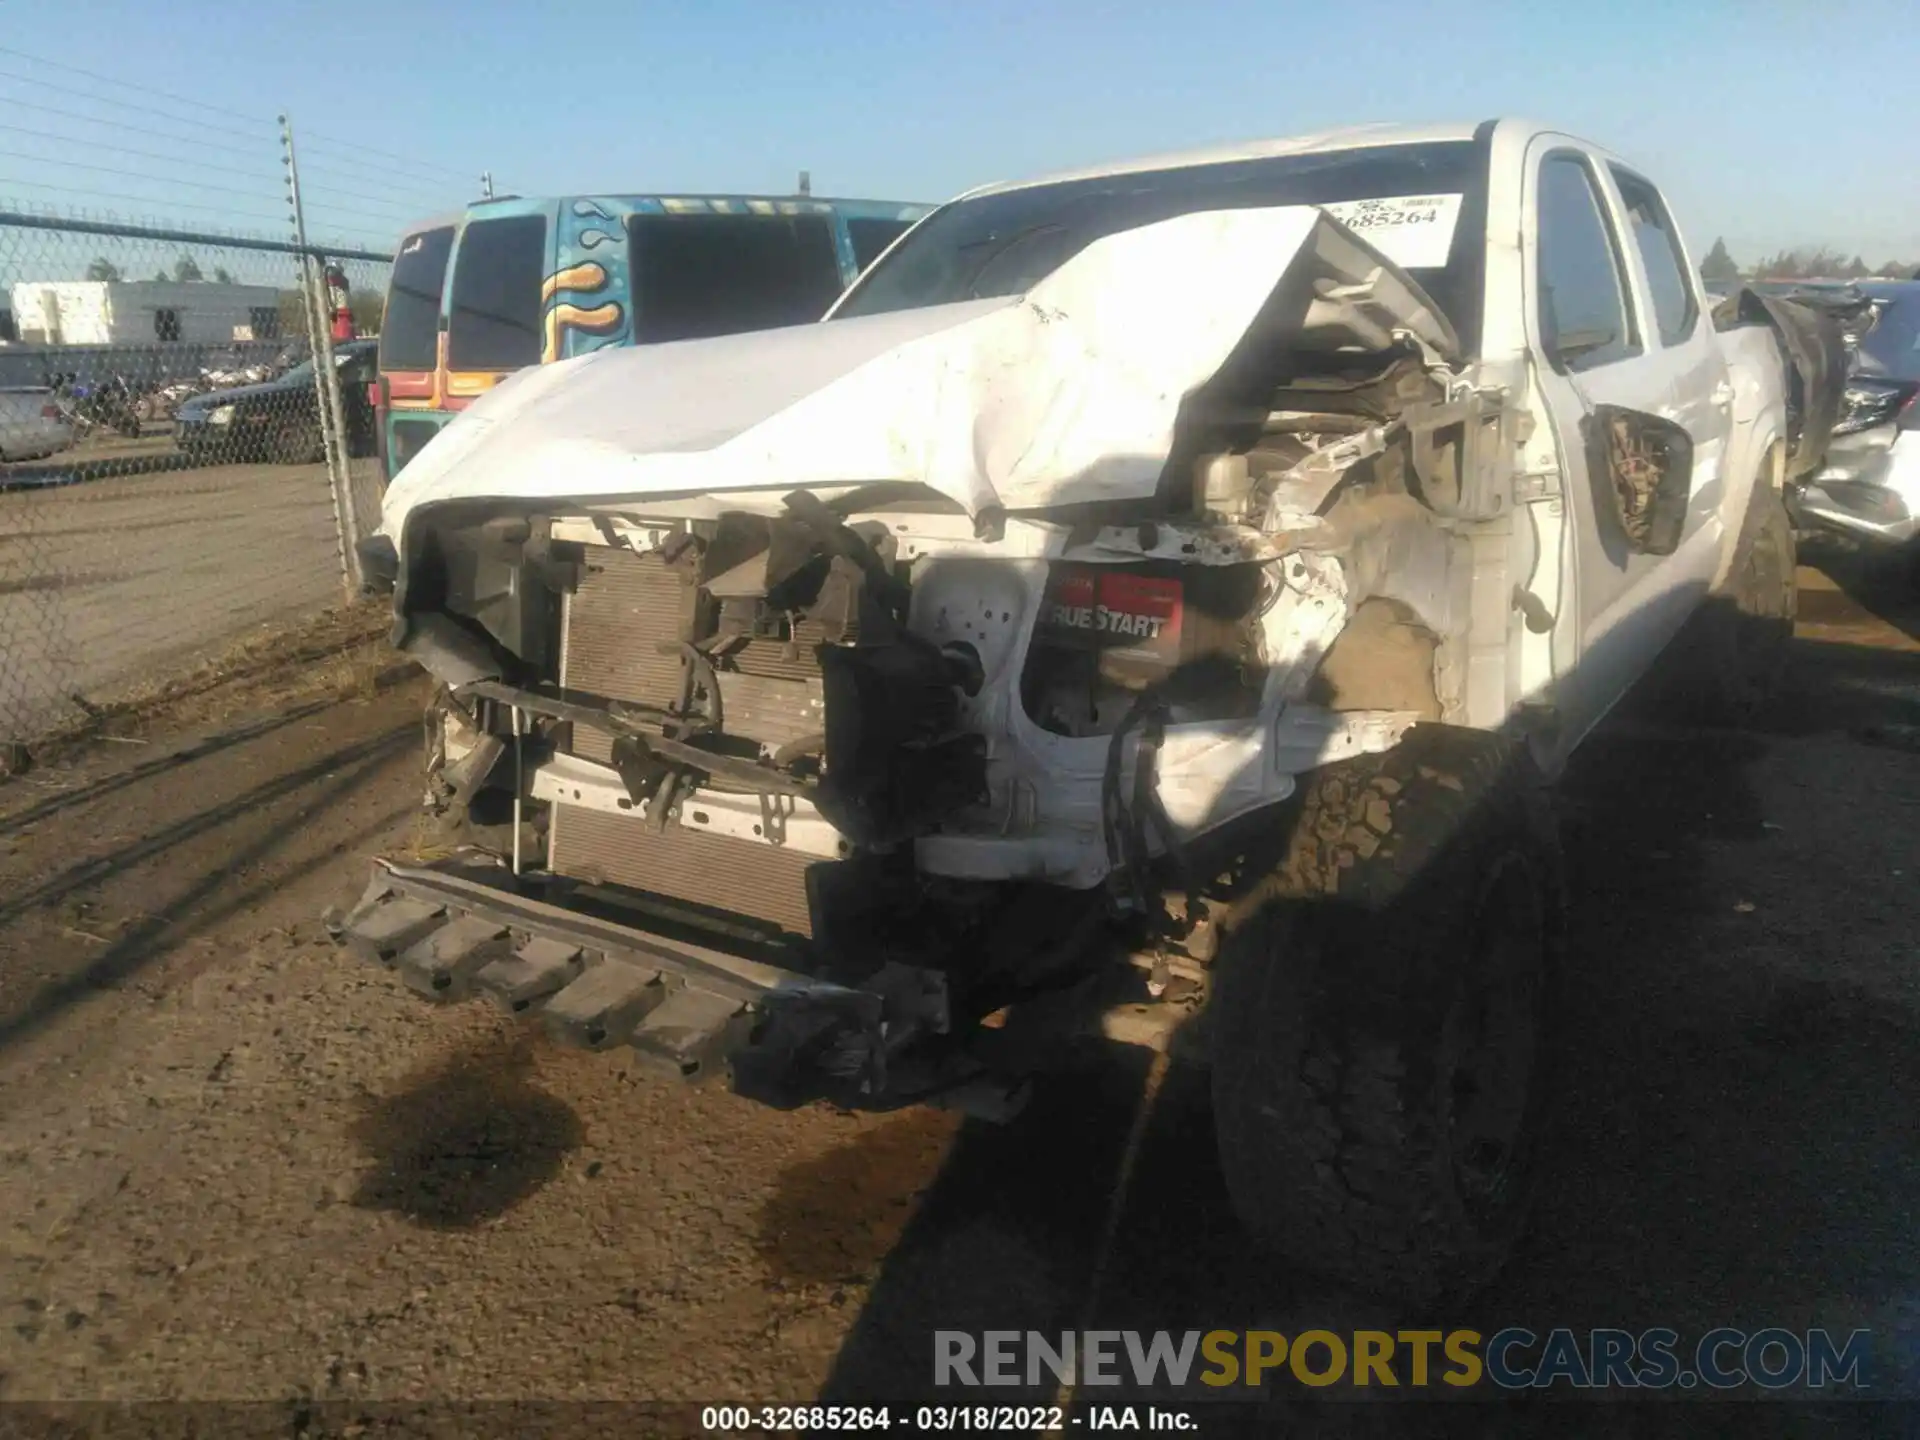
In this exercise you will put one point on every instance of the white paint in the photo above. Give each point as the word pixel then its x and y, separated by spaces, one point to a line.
pixel 1354 137
pixel 27 431
pixel 120 312
pixel 1414 231
pixel 1067 395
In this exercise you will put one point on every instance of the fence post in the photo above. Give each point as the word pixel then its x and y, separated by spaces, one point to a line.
pixel 333 429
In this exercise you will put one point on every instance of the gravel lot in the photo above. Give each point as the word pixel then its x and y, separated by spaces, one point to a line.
pixel 123 576
pixel 234 1163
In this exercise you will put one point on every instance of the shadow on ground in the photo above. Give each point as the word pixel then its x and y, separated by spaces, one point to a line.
pixel 1735 1148
pixel 464 1141
pixel 311 792
pixel 1887 584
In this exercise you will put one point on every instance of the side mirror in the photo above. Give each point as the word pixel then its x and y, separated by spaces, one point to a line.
pixel 1641 468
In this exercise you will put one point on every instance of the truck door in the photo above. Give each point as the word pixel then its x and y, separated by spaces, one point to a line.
pixel 1639 404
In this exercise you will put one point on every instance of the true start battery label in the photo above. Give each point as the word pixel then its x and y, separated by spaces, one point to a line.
pixel 1114 611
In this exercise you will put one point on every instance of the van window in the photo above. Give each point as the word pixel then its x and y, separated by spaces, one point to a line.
pixel 494 320
pixel 1674 307
pixel 701 275
pixel 1583 311
pixel 409 334
pixel 872 237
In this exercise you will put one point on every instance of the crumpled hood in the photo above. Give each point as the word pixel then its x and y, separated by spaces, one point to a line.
pixel 1066 395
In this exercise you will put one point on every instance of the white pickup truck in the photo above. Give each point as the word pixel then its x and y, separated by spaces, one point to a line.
pixel 1151 604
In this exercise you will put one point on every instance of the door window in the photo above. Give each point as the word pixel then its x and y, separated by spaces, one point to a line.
pixel 1584 317
pixel 1674 308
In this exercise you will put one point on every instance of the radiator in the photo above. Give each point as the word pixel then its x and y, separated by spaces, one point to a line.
pixel 612 625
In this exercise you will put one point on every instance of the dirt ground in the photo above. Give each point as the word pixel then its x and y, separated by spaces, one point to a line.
pixel 119 567
pixel 236 1163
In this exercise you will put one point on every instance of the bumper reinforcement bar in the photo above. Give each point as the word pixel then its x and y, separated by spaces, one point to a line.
pixel 451 933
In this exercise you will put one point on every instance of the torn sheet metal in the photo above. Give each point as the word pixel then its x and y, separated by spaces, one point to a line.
pixel 1067 395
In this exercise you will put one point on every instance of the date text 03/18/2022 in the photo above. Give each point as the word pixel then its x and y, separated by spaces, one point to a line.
pixel 940 1419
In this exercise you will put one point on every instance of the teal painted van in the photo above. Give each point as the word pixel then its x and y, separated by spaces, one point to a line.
pixel 515 282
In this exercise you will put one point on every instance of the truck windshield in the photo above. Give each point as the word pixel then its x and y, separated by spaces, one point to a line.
pixel 1003 243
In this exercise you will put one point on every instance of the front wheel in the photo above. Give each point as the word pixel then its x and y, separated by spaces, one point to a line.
pixel 1731 663
pixel 1382 1020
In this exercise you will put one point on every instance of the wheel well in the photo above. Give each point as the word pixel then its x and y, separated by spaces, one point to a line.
pixel 1382 660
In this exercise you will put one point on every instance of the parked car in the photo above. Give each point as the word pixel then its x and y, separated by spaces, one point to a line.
pixel 1151 604
pixel 279 419
pixel 32 424
pixel 1868 492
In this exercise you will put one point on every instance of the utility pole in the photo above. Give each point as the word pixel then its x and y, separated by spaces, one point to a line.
pixel 333 425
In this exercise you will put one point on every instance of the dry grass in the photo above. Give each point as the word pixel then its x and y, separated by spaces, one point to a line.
pixel 336 654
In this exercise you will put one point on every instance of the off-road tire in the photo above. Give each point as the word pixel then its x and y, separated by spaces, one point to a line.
pixel 1730 664
pixel 1338 1007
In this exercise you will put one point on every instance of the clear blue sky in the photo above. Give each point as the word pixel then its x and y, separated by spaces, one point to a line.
pixel 1774 122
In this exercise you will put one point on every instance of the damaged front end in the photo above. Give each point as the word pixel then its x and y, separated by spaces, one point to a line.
pixel 853 788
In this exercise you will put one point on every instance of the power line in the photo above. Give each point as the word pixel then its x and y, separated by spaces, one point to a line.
pixel 270 181
pixel 129 85
pixel 362 177
pixel 130 174
pixel 135 129
pixel 101 99
pixel 433 170
pixel 395 206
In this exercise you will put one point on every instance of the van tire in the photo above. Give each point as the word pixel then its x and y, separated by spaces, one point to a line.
pixel 1343 1056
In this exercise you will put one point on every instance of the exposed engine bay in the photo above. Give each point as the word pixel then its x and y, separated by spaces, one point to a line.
pixel 855 735
pixel 902 741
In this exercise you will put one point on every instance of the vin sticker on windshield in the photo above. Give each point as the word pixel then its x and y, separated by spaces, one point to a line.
pixel 1413 231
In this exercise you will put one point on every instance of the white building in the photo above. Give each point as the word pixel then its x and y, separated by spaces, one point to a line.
pixel 142 312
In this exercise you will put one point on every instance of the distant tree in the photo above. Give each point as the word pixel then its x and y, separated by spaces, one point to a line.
pixel 1856 267
pixel 186 268
pixel 369 307
pixel 222 275
pixel 103 269
pixel 161 276
pixel 1719 266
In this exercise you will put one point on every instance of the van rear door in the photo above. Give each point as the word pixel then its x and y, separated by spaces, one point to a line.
pixel 494 301
pixel 410 327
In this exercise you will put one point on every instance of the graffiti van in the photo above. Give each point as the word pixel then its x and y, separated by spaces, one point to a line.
pixel 515 282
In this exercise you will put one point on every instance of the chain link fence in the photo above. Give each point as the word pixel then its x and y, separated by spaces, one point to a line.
pixel 189 320
pixel 165 475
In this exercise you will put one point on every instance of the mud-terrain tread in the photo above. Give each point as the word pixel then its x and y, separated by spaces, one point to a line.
pixel 1332 1158
pixel 1714 678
